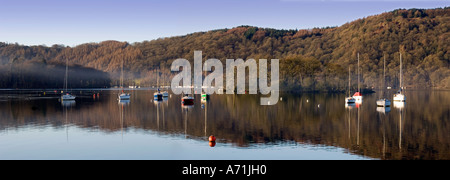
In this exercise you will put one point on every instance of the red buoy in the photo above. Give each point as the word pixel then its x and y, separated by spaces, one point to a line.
pixel 212 138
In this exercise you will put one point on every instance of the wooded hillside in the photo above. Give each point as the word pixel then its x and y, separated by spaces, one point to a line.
pixel 313 59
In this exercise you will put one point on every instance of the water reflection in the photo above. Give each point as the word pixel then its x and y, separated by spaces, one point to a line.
pixel 68 103
pixel 384 110
pixel 399 105
pixel 403 132
pixel 124 102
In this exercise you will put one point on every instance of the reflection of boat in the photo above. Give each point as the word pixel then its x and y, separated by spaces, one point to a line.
pixel 401 110
pixel 399 96
pixel 350 105
pixel 384 110
pixel 187 100
pixel 68 103
pixel 124 101
pixel 67 96
pixel 399 104
pixel 187 107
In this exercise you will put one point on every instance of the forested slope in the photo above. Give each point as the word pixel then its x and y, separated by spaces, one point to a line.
pixel 313 59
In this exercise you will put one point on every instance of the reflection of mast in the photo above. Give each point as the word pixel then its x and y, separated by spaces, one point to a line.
pixel 121 121
pixel 384 134
pixel 157 115
pixel 206 110
pixel 400 127
pixel 67 125
pixel 357 135
pixel 349 123
pixel 163 115
pixel 185 124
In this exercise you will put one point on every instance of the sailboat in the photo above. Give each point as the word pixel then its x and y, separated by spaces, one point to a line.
pixel 123 95
pixel 349 100
pixel 358 96
pixel 399 96
pixel 383 102
pixel 158 96
pixel 67 96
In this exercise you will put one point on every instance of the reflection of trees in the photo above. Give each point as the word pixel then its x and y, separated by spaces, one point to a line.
pixel 239 119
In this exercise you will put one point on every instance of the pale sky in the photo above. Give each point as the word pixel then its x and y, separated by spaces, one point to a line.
pixel 48 22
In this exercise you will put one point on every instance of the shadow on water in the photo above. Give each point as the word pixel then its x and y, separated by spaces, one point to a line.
pixel 417 129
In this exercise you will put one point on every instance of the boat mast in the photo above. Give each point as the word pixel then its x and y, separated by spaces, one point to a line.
pixel 384 75
pixel 401 78
pixel 359 88
pixel 349 83
pixel 121 77
pixel 384 72
pixel 67 75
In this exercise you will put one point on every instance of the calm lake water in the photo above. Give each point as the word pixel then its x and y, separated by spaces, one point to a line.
pixel 36 125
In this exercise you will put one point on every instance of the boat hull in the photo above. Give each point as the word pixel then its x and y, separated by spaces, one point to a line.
pixel 350 100
pixel 68 97
pixel 187 101
pixel 358 99
pixel 399 97
pixel 124 97
pixel 158 96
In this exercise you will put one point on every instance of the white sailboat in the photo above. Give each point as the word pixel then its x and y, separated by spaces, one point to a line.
pixel 383 102
pixel 165 94
pixel 67 96
pixel 123 95
pixel 349 99
pixel 399 96
pixel 157 96
pixel 358 96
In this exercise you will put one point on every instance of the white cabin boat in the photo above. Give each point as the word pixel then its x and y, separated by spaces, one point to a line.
pixel 383 102
pixel 124 96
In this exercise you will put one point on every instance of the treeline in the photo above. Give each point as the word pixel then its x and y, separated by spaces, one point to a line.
pixel 310 60
pixel 38 75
